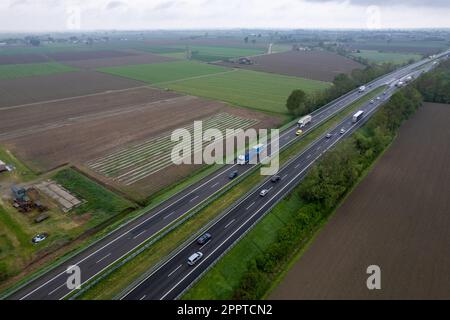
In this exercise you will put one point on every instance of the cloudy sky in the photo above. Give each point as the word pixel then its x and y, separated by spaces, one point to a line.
pixel 63 15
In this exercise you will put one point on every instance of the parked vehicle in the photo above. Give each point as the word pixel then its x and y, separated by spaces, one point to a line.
pixel 263 192
pixel 204 238
pixel 194 258
pixel 39 238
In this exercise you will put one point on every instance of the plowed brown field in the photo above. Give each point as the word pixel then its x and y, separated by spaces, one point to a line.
pixel 317 65
pixel 398 218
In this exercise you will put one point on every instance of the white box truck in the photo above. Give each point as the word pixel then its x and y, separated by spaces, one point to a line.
pixel 362 89
pixel 357 116
pixel 304 121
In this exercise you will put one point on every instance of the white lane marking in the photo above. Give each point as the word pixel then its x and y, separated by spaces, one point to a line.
pixel 107 255
pixel 169 215
pixel 140 233
pixel 270 189
pixel 246 221
pixel 53 291
pixel 193 199
pixel 229 223
pixel 168 276
pixel 309 156
pixel 298 165
pixel 143 297
pixel 302 153
pixel 318 148
pixel 284 177
pixel 125 233
pixel 250 206
pixel 215 184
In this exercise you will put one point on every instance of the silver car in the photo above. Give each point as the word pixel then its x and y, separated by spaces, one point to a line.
pixel 194 258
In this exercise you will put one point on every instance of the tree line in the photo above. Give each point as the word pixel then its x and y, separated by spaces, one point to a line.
pixel 323 188
pixel 299 103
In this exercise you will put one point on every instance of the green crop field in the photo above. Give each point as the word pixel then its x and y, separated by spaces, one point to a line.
pixel 206 53
pixel 164 72
pixel 13 71
pixel 385 57
pixel 251 89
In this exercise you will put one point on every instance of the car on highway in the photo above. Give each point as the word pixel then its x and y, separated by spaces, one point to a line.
pixel 204 238
pixel 299 132
pixel 263 192
pixel 233 174
pixel 342 131
pixel 194 258
pixel 372 101
pixel 328 136
pixel 39 238
pixel 378 98
pixel 385 93
pixel 275 179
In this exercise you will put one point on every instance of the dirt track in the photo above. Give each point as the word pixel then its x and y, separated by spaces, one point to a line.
pixel 76 130
pixel 317 65
pixel 58 86
pixel 118 61
pixel 398 218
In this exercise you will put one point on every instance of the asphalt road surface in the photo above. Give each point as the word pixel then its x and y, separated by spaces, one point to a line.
pixel 93 260
pixel 175 275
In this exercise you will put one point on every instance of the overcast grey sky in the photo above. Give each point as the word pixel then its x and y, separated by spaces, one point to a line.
pixel 63 15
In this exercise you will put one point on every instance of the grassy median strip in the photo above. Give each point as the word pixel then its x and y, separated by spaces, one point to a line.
pixel 251 267
pixel 117 281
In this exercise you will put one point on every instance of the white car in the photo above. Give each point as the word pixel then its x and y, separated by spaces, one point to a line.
pixel 372 101
pixel 378 98
pixel 39 238
pixel 263 192
pixel 342 131
pixel 194 258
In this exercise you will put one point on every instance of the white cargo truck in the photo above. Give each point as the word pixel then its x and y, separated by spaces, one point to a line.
pixel 357 116
pixel 304 121
pixel 362 89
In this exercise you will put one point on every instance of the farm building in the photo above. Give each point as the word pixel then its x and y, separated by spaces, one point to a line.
pixel 3 167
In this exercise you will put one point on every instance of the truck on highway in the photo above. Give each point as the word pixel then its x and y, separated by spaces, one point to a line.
pixel 400 84
pixel 357 116
pixel 255 151
pixel 362 89
pixel 304 121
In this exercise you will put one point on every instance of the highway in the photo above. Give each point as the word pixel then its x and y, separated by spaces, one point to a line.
pixel 102 254
pixel 174 276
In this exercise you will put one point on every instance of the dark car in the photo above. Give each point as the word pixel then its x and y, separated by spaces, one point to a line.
pixel 233 174
pixel 204 239
pixel 275 179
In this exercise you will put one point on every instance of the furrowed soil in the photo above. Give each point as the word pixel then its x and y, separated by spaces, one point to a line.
pixel 58 86
pixel 317 65
pixel 397 218
pixel 118 61
pixel 74 131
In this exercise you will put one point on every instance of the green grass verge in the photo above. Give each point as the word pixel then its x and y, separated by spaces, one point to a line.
pixel 164 72
pixel 116 282
pixel 13 71
pixel 101 203
pixel 220 281
pixel 380 57
pixel 251 89
pixel 20 173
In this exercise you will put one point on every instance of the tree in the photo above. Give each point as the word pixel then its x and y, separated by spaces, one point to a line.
pixel 296 103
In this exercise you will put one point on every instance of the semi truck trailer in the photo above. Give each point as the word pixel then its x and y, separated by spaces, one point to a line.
pixel 304 121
